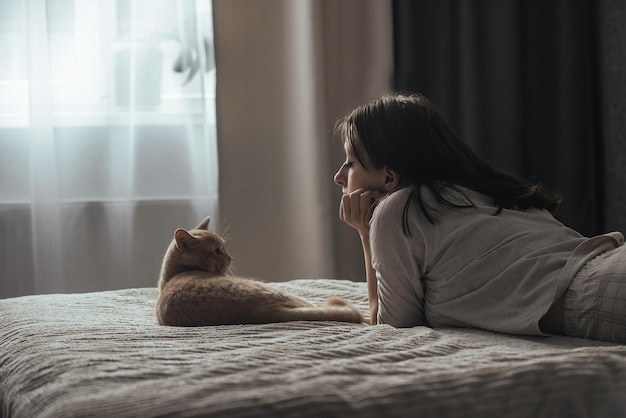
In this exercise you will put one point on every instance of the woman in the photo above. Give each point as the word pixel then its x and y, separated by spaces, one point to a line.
pixel 450 240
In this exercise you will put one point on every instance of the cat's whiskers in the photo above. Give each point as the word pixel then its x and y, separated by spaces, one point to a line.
pixel 231 269
pixel 225 233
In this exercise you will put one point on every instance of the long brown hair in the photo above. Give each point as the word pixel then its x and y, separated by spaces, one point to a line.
pixel 407 134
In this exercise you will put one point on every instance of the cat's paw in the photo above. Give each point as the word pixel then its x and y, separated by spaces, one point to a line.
pixel 336 301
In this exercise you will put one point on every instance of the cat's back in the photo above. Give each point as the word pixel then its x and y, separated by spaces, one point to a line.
pixel 197 298
pixel 199 284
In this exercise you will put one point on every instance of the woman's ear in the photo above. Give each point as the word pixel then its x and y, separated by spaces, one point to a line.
pixel 392 179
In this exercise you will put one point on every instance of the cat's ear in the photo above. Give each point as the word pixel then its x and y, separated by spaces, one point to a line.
pixel 184 239
pixel 204 224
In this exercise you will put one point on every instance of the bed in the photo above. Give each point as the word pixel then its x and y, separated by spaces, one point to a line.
pixel 102 354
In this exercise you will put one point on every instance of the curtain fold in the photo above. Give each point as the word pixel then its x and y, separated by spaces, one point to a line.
pixel 45 214
pixel 288 69
pixel 109 139
pixel 611 79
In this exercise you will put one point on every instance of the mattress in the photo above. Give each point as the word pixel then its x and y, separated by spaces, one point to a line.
pixel 102 354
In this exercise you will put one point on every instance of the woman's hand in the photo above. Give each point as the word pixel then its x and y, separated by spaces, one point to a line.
pixel 356 209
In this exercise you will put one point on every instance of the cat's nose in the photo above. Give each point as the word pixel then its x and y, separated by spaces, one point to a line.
pixel 223 254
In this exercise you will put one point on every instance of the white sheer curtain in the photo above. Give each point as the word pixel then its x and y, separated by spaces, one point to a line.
pixel 107 139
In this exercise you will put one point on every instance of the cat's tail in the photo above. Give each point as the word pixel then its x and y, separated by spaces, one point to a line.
pixel 336 309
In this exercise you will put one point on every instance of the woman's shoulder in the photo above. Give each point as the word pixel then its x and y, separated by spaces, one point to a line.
pixel 395 199
pixel 391 207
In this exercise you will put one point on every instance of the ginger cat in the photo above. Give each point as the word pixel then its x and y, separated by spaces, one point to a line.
pixel 196 289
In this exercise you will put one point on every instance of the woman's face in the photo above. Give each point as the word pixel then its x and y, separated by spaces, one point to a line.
pixel 352 175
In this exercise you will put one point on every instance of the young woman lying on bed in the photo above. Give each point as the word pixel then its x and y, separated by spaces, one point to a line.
pixel 450 240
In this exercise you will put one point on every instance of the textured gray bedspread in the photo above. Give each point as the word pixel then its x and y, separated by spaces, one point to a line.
pixel 102 354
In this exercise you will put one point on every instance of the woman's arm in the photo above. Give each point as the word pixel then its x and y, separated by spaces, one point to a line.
pixel 370 276
pixel 356 210
pixel 395 257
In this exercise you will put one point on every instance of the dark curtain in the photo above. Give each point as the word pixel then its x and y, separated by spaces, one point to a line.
pixel 518 80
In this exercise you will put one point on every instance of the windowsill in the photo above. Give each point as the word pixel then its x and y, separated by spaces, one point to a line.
pixel 115 200
pixel 170 112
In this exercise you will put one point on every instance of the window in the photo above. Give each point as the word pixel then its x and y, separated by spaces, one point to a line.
pixel 107 139
pixel 97 59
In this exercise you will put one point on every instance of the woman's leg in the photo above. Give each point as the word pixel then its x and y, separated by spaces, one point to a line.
pixel 594 305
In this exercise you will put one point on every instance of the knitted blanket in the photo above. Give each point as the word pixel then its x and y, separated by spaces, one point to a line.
pixel 102 354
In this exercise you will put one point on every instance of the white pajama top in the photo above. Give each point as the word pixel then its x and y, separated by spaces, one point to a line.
pixel 473 267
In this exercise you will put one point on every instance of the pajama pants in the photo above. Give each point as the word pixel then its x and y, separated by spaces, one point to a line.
pixel 594 305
